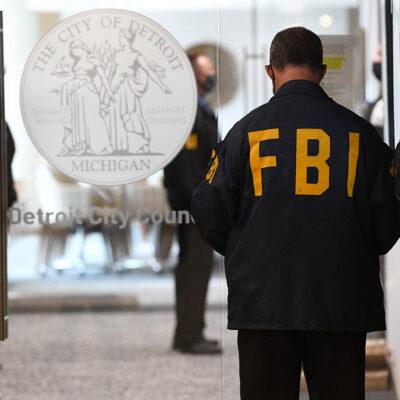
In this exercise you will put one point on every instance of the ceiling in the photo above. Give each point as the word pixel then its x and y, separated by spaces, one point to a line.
pixel 292 7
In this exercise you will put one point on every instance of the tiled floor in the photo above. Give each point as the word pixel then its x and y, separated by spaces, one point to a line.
pixel 112 355
pixel 123 355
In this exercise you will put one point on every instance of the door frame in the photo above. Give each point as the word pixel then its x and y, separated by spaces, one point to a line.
pixel 388 82
pixel 3 203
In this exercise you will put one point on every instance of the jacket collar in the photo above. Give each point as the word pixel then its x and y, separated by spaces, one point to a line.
pixel 300 87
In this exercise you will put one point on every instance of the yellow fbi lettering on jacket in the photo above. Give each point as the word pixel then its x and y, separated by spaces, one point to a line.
pixel 393 169
pixel 213 169
pixel 191 142
pixel 303 160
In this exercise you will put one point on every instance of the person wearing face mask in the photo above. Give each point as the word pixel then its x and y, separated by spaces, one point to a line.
pixel 374 112
pixel 181 177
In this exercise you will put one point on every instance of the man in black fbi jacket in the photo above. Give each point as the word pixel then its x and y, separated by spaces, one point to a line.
pixel 181 177
pixel 299 197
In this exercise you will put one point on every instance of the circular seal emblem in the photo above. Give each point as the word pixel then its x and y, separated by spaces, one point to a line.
pixel 108 97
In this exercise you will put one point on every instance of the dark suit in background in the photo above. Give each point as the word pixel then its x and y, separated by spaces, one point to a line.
pixel 193 272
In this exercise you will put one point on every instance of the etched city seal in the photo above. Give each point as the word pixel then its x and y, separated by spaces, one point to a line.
pixel 108 97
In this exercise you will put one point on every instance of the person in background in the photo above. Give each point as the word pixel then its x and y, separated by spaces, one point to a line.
pixel 11 193
pixel 10 148
pixel 181 177
pixel 374 112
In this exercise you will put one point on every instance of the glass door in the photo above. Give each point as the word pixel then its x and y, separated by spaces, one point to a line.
pixel 92 299
pixel 92 267
pixel 3 195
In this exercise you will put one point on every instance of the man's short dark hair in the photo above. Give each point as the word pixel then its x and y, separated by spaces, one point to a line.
pixel 296 46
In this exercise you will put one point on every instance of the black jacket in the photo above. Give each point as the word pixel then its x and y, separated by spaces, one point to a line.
pixel 11 193
pixel 185 172
pixel 302 216
pixel 397 165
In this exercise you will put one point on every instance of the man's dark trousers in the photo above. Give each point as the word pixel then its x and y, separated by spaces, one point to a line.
pixel 270 364
pixel 191 280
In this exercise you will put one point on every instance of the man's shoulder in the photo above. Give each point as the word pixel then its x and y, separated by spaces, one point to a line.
pixel 204 111
pixel 342 110
pixel 244 125
pixel 260 110
pixel 370 137
pixel 342 115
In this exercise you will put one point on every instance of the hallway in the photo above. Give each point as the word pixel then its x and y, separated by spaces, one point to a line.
pixel 110 355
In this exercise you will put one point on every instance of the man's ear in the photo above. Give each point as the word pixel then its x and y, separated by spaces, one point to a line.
pixel 269 71
pixel 324 69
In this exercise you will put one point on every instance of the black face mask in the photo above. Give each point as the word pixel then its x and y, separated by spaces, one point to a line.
pixel 209 83
pixel 377 70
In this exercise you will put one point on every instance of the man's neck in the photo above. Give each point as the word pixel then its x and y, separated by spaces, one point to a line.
pixel 295 73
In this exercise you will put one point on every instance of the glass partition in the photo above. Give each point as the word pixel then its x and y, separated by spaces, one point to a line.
pixel 92 303
pixel 92 300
